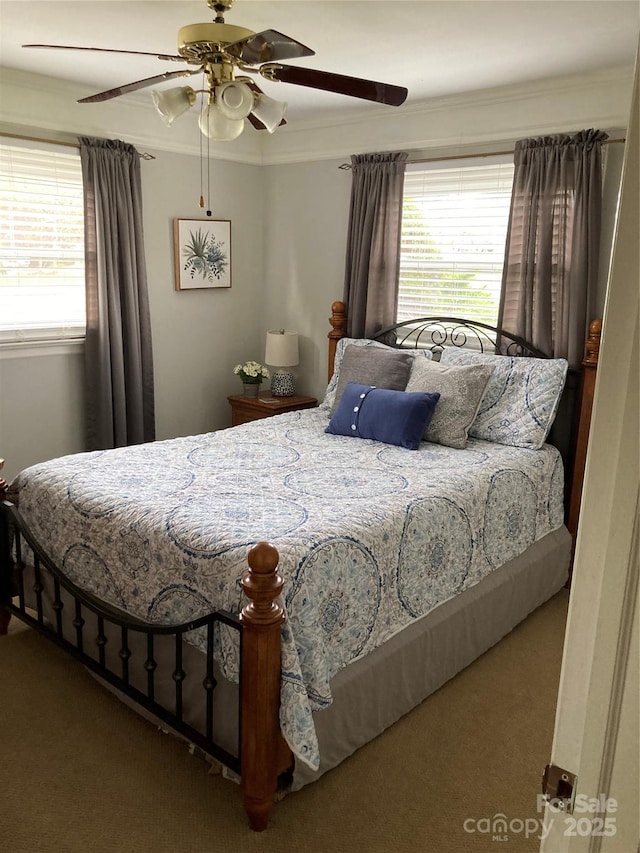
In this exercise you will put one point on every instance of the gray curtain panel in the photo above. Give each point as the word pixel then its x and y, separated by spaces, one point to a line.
pixel 118 355
pixel 373 242
pixel 553 242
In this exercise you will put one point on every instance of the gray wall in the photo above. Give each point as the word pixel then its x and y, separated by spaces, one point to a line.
pixel 307 209
pixel 288 228
pixel 306 227
pixel 198 336
pixel 41 405
pixel 288 203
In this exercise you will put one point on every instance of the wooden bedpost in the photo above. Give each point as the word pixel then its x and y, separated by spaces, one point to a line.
pixel 589 368
pixel 5 570
pixel 261 742
pixel 338 322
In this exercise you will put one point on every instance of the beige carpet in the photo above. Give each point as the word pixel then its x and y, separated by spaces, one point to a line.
pixel 80 772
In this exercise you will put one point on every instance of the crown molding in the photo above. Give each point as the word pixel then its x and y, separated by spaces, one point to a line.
pixel 482 117
pixel 479 117
pixel 549 86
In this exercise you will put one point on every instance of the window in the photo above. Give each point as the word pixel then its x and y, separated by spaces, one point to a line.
pixel 42 290
pixel 454 225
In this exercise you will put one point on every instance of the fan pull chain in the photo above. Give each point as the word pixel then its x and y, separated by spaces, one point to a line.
pixel 208 175
pixel 202 199
pixel 201 174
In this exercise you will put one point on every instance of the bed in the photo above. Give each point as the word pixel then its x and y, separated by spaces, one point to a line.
pixel 375 572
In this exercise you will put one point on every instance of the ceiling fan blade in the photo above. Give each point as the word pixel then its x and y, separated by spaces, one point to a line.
pixel 257 124
pixel 106 50
pixel 139 84
pixel 267 46
pixel 355 87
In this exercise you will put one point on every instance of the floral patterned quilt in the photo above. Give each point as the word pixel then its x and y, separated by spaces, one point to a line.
pixel 371 536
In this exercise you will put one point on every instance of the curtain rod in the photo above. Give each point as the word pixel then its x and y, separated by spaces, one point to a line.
pixel 472 156
pixel 144 156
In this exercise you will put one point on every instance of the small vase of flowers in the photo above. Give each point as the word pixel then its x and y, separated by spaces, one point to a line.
pixel 251 373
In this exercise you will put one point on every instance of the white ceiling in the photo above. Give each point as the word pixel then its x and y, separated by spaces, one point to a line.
pixel 434 47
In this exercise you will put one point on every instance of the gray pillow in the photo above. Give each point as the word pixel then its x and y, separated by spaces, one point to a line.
pixel 461 390
pixel 382 367
pixel 343 343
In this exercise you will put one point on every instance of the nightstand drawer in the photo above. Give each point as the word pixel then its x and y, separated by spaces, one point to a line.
pixel 245 409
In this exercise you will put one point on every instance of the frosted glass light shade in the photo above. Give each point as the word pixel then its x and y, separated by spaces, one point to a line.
pixel 282 348
pixel 171 103
pixel 269 111
pixel 216 126
pixel 234 100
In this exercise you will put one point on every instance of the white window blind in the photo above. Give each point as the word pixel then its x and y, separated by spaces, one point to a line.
pixel 42 287
pixel 454 225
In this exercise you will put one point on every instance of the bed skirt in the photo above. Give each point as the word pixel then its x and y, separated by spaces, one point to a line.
pixel 420 659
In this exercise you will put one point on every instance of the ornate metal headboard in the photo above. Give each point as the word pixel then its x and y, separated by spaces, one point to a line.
pixel 436 333
pixel 570 431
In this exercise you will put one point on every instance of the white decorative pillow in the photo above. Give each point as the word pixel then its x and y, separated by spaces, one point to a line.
pixel 460 388
pixel 521 398
pixel 343 343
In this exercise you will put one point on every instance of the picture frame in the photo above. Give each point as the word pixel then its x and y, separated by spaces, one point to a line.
pixel 202 253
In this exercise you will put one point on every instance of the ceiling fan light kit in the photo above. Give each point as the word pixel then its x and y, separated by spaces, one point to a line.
pixel 215 125
pixel 217 50
pixel 171 103
pixel 269 111
pixel 234 99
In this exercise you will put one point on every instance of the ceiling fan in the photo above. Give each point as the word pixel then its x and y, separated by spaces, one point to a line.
pixel 224 54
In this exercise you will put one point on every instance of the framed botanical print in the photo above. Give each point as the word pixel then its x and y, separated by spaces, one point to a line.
pixel 202 251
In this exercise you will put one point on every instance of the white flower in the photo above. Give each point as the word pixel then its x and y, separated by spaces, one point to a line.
pixel 251 371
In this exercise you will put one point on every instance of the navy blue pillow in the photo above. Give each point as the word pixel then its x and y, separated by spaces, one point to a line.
pixel 395 417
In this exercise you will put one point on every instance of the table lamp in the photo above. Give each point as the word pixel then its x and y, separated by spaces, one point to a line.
pixel 281 352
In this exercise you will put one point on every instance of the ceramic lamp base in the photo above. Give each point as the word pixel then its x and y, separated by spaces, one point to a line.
pixel 282 384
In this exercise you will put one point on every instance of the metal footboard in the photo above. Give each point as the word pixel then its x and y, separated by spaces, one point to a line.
pixel 119 648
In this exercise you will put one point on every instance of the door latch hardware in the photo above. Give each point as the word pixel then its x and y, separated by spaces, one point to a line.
pixel 559 788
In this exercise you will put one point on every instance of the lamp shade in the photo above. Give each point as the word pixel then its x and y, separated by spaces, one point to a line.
pixel 234 100
pixel 171 103
pixel 217 126
pixel 269 111
pixel 282 348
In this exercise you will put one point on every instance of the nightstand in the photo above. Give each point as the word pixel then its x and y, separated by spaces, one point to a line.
pixel 244 409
